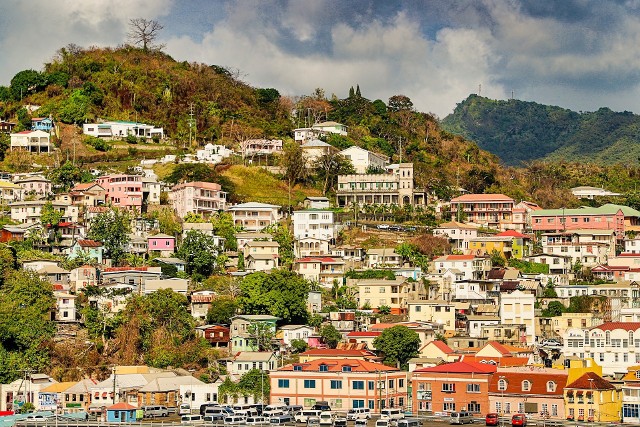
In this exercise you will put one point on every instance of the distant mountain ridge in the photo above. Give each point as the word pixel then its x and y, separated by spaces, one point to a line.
pixel 519 131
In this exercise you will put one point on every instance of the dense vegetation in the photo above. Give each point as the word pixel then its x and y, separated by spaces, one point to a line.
pixel 519 131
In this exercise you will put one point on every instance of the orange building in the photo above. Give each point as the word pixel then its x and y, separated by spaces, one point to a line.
pixel 451 387
pixel 343 383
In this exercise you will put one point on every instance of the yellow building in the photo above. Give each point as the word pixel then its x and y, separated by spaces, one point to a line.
pixel 592 398
pixel 510 243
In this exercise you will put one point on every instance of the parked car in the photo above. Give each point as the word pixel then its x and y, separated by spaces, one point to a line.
pixel 386 422
pixel 551 343
pixel 361 422
pixel 184 409
pixel 294 409
pixel 321 405
pixel 340 422
pixel 234 420
pixel 392 414
pixel 358 413
pixel 460 418
pixel 256 421
pixel 153 411
pixel 326 418
pixel 409 422
pixel 274 409
pixel 313 422
pixel 303 416
pixel 382 226
pixel 492 419
pixel 280 419
pixel 519 420
pixel 190 419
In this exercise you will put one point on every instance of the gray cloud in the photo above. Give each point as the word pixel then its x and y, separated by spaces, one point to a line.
pixel 581 54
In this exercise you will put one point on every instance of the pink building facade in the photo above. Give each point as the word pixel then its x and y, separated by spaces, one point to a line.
pixel 124 191
pixel 204 198
pixel 488 210
pixel 557 220
pixel 162 243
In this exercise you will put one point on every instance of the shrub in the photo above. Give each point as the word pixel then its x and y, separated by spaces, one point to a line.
pixel 97 143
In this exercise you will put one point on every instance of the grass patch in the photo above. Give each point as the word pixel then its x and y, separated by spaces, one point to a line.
pixel 257 185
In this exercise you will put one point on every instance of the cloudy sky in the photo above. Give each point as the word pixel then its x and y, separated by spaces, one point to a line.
pixel 579 54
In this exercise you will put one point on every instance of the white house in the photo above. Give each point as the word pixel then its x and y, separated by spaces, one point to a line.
pixel 245 361
pixel 517 308
pixel 314 149
pixel 459 234
pixel 122 129
pixel 613 345
pixel 36 141
pixel 30 211
pixel 363 159
pixel 213 153
pixel 65 307
pixel 319 129
pixel 289 333
pixel 471 266
pixel 254 216
pixel 318 224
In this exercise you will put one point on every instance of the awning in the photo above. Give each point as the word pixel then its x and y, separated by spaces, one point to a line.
pixel 104 395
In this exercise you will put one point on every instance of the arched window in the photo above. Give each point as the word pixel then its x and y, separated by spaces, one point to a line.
pixel 607 338
pixel 526 385
pixel 502 385
pixel 551 386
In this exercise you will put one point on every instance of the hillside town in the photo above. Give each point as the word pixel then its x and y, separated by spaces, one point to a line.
pixel 520 310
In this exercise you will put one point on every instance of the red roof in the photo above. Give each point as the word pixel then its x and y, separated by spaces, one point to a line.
pixel 335 352
pixel 337 365
pixel 122 406
pixel 108 269
pixel 459 257
pixel 364 334
pixel 611 326
pixel 82 187
pixel 89 243
pixel 502 349
pixel 591 381
pixel 460 368
pixel 512 233
pixel 537 382
pixel 611 268
pixel 98 209
pixel 497 361
pixel 442 346
pixel 482 197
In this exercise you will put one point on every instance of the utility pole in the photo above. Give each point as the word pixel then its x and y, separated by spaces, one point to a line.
pixel 114 384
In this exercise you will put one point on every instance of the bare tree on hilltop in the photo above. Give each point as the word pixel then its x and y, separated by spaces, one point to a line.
pixel 144 32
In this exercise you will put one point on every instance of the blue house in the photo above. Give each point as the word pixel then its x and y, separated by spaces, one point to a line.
pixel 41 123
pixel 91 248
pixel 121 413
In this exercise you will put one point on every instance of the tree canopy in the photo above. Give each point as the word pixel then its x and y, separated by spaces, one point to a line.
pixel 112 228
pixel 398 344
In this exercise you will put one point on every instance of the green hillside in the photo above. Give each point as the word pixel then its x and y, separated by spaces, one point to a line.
pixel 519 131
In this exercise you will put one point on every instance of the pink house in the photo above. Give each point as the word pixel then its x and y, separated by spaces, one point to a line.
pixel 163 243
pixel 606 217
pixel 489 210
pixel 124 191
pixel 204 198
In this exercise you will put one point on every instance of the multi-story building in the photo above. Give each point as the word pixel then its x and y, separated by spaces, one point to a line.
pixel 441 313
pixel 560 324
pixel 487 210
pixel 459 234
pixel 9 192
pixel 244 335
pixel 631 396
pixel 213 153
pixel 613 345
pixel 451 387
pixel 29 212
pixel 314 223
pixel 382 257
pixel 34 186
pixel 121 190
pixel 35 141
pixel 537 393
pixel 607 217
pixel 364 160
pixel 261 147
pixel 517 308
pixel 203 198
pixel 377 293
pixel 472 267
pixel 591 398
pixel 522 215
pixel 254 216
pixel 322 270
pixel 319 129
pixel 343 383
pixel 261 255
pixel 506 334
pixel 587 247
pixel 89 194
pixel 395 187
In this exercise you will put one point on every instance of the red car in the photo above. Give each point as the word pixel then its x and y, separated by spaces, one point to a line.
pixel 519 420
pixel 492 419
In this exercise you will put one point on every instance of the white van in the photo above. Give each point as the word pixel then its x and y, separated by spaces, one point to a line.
pixel 460 418
pixel 184 409
pixel 382 422
pixel 361 422
pixel 409 422
pixel 153 411
pixel 234 420
pixel 275 409
pixel 358 413
pixel 326 418
pixel 303 416
pixel 249 410
pixel 392 414
pixel 191 419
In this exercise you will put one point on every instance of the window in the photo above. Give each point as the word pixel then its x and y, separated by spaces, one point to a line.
pixel 449 406
pixel 324 368
pixel 448 388
pixel 357 403
pixel 371 385
pixel 372 404
pixel 502 385
pixel 309 383
pixel 526 385
pixel 473 388
pixel 358 385
pixel 391 384
pixel 297 368
pixel 418 309
pixel 346 369
pixel 336 384
pixel 551 386
pixel 554 410
pixel 401 383
pixel 473 407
